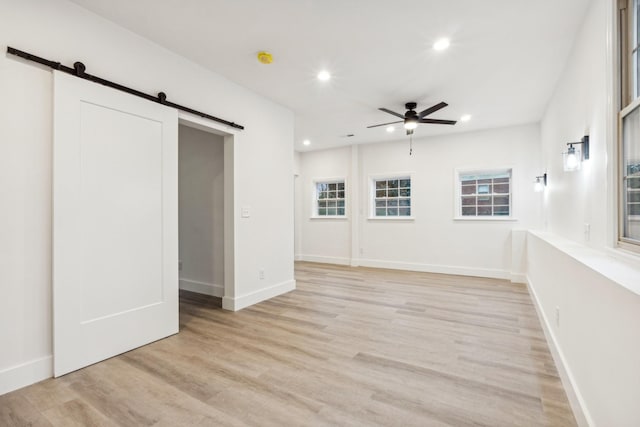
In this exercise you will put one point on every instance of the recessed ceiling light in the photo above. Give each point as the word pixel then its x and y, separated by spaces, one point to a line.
pixel 441 44
pixel 324 75
pixel 390 129
pixel 465 118
pixel 306 142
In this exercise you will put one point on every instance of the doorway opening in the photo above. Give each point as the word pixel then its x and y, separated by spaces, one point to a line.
pixel 205 208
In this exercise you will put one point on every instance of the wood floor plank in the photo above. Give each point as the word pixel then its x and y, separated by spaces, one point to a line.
pixel 77 413
pixel 15 410
pixel 48 394
pixel 350 346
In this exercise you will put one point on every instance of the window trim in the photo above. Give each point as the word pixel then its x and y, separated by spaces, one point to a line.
pixel 314 198
pixel 457 200
pixel 624 242
pixel 628 103
pixel 372 195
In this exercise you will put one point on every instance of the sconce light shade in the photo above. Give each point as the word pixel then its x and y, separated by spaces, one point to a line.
pixel 540 183
pixel 571 160
pixel 574 156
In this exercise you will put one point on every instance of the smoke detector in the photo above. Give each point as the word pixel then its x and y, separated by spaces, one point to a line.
pixel 265 57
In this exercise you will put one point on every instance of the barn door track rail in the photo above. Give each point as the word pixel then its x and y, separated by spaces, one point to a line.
pixel 79 70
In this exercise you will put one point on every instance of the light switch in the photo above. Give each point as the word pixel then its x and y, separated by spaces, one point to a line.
pixel 246 212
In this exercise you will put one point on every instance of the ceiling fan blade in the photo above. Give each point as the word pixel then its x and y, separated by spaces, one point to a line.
pixel 385 124
pixel 392 112
pixel 438 122
pixel 433 109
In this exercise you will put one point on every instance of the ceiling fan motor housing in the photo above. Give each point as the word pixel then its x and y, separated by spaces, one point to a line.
pixel 411 115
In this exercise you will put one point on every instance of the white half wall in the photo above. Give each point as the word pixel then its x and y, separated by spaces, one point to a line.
pixel 433 240
pixel 262 160
pixel 589 304
pixel 201 211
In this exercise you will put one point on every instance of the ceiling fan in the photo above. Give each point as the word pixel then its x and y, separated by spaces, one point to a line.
pixel 411 118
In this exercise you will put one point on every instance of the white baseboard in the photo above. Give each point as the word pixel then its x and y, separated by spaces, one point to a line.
pixel 26 374
pixel 325 259
pixel 518 278
pixel 576 401
pixel 242 301
pixel 202 287
pixel 425 268
pixel 297 257
pixel 433 268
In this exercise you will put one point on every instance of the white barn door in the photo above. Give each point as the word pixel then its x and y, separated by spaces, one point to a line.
pixel 115 222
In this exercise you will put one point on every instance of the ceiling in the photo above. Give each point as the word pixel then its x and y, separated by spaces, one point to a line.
pixel 502 66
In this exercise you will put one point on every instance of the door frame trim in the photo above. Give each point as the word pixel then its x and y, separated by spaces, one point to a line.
pixel 229 134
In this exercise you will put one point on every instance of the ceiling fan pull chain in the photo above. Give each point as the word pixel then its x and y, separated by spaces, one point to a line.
pixel 410 144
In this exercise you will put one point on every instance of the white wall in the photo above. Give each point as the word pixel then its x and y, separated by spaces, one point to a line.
pixel 62 31
pixel 578 107
pixel 596 342
pixel 201 211
pixel 433 241
pixel 297 213
pixel 324 239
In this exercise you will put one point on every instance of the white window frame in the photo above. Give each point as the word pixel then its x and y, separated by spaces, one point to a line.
pixel 625 242
pixel 314 197
pixel 372 195
pixel 457 209
pixel 629 102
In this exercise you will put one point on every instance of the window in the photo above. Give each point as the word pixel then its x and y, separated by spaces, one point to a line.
pixel 330 198
pixel 484 194
pixel 629 54
pixel 630 194
pixel 629 145
pixel 392 197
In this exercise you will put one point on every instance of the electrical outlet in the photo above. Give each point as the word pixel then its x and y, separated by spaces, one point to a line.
pixel 361 251
pixel 557 316
pixel 261 274
pixel 179 265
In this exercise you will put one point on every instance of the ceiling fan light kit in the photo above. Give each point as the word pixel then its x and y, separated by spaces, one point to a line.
pixel 410 124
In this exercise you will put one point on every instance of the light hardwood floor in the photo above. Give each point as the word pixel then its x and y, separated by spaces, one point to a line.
pixel 350 346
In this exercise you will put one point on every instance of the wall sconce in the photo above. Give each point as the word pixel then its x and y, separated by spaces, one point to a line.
pixel 541 183
pixel 573 157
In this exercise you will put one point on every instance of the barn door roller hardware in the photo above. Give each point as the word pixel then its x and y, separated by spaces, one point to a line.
pixel 79 70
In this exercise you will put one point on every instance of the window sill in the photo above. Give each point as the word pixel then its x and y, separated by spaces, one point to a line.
pixel 331 217
pixel 488 218
pixel 391 218
pixel 608 263
pixel 624 254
